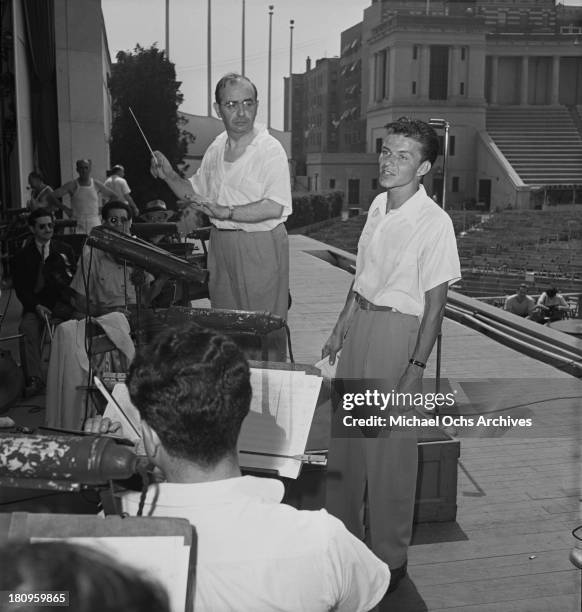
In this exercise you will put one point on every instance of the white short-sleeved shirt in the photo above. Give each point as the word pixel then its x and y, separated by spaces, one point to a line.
pixel 405 253
pixel 119 186
pixel 255 553
pixel 262 172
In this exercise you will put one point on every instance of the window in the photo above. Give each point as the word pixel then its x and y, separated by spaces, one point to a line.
pixel 374 183
pixel 463 53
pixel 413 88
pixel 455 184
pixel 415 52
pixel 332 183
pixel 462 88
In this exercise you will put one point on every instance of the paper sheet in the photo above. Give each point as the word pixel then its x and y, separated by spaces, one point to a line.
pixel 279 420
pixel 162 558
pixel 278 423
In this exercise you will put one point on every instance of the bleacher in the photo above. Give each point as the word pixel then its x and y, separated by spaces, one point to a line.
pixel 544 245
pixel 541 143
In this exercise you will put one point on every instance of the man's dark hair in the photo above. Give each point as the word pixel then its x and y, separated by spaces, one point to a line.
pixel 192 387
pixel 229 78
pixel 115 205
pixel 551 292
pixel 37 214
pixel 37 175
pixel 95 581
pixel 420 131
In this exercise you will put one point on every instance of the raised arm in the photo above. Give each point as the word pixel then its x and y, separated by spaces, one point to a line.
pixel 107 193
pixel 162 169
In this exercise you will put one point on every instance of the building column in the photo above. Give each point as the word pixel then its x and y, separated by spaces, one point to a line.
pixel 494 79
pixel 424 72
pixel 454 60
pixel 524 79
pixel 555 89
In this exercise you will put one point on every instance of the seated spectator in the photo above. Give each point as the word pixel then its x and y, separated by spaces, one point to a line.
pixel 520 303
pixel 192 389
pixel 156 211
pixel 95 581
pixel 551 306
pixel 103 283
pixel 43 270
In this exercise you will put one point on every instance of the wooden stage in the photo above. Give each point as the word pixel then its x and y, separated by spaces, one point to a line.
pixel 518 488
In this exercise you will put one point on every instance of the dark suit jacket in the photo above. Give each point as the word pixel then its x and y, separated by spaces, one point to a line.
pixel 59 268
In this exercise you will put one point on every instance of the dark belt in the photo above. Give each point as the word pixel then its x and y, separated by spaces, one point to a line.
pixel 364 304
pixel 227 229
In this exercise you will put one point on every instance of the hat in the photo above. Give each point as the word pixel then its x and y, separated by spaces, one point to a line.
pixel 154 206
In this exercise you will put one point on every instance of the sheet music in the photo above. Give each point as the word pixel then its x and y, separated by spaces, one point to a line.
pixel 162 558
pixel 279 420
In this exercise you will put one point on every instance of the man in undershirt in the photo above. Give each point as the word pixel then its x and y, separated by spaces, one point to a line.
pixel 243 185
pixel 85 193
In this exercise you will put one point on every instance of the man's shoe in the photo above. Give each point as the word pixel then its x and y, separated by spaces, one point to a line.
pixel 396 575
pixel 34 386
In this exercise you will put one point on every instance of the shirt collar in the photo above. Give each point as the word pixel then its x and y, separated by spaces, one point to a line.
pixel 260 133
pixel 411 209
pixel 40 245
pixel 227 491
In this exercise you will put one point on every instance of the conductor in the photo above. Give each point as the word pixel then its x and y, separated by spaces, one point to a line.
pixel 243 185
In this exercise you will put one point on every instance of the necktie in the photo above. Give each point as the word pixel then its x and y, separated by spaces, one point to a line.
pixel 39 285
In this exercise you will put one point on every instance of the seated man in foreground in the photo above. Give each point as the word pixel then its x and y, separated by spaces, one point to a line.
pixel 192 390
pixel 104 283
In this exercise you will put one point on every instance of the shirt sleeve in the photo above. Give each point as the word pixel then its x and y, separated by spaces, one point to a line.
pixel 277 182
pixel 357 580
pixel 440 258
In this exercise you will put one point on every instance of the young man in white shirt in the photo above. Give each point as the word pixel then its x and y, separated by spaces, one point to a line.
pixel 407 257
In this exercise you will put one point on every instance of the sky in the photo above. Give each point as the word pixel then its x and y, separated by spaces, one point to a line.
pixel 318 25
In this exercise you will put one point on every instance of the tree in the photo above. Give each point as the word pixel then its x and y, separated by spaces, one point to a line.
pixel 145 80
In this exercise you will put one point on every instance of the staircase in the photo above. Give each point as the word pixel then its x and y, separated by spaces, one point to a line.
pixel 541 143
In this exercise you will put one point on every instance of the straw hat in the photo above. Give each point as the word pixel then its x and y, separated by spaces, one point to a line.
pixel 157 206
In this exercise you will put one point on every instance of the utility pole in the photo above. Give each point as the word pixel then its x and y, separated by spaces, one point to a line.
pixel 168 30
pixel 243 40
pixel 209 56
pixel 271 7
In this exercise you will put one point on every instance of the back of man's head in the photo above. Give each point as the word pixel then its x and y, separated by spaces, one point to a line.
pixel 192 387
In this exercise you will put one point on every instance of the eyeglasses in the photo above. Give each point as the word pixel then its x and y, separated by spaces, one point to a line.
pixel 118 220
pixel 45 225
pixel 232 105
